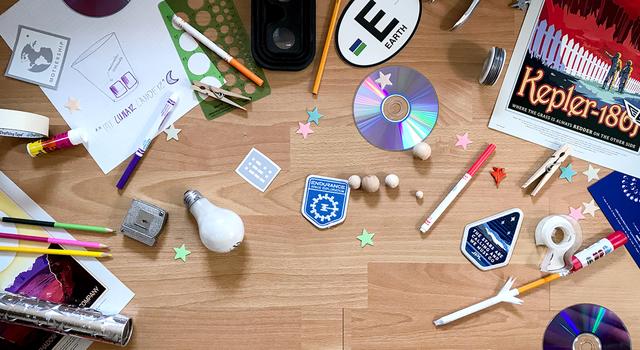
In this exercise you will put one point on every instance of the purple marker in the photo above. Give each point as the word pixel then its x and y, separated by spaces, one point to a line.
pixel 146 142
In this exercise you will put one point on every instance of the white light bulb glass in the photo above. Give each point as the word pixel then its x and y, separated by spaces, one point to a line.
pixel 221 230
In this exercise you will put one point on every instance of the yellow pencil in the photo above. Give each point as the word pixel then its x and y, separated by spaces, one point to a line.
pixel 55 251
pixel 327 45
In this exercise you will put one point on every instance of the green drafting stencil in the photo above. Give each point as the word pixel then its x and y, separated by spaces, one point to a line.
pixel 218 20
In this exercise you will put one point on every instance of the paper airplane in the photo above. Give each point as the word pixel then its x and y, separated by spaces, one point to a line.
pixel 633 112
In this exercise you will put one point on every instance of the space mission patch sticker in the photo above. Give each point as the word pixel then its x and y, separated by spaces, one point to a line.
pixel 325 201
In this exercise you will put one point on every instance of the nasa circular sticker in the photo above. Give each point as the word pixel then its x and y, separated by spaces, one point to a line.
pixel 371 32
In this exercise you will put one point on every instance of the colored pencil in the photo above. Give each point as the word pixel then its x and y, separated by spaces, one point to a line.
pixel 217 50
pixel 51 240
pixel 55 251
pixel 57 225
pixel 457 189
pixel 327 45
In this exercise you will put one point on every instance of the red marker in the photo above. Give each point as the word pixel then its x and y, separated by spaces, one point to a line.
pixel 597 250
pixel 457 189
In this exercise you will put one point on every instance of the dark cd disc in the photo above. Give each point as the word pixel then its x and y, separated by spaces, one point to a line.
pixel 586 327
pixel 97 8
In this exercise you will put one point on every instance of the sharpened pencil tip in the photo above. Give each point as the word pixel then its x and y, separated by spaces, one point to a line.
pixel 103 246
pixel 110 230
pixel 107 255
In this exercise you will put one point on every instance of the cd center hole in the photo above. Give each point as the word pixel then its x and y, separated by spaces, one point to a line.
pixel 395 108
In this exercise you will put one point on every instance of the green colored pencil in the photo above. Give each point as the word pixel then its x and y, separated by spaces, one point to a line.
pixel 57 224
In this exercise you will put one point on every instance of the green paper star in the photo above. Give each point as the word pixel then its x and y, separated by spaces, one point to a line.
pixel 365 238
pixel 181 253
pixel 314 116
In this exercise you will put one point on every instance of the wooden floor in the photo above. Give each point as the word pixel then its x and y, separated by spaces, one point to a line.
pixel 290 286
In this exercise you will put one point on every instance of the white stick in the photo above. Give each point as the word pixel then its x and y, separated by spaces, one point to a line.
pixel 201 38
pixel 446 202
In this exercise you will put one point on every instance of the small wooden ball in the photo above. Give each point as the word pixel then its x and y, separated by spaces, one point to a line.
pixel 370 183
pixel 422 151
pixel 392 180
pixel 354 182
pixel 419 194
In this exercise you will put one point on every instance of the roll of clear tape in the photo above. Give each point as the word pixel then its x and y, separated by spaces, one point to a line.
pixel 65 319
pixel 558 257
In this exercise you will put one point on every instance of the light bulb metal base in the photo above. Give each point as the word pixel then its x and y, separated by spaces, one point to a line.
pixel 191 197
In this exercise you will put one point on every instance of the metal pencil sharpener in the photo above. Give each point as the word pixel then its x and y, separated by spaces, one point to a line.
pixel 144 222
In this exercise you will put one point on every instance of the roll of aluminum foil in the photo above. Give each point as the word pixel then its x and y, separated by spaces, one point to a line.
pixel 65 319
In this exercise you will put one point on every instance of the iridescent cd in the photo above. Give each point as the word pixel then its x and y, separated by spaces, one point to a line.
pixel 395 108
pixel 97 8
pixel 586 326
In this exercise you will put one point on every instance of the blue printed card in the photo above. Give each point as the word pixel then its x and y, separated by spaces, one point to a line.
pixel 258 170
pixel 488 243
pixel 325 201
pixel 618 196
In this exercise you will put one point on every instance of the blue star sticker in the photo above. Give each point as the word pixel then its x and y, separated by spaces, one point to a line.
pixel 567 173
pixel 314 116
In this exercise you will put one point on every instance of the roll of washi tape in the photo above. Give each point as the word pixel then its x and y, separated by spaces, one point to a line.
pixel 23 124
pixel 558 257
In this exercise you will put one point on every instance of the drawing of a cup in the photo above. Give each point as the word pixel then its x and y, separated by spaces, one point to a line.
pixel 106 67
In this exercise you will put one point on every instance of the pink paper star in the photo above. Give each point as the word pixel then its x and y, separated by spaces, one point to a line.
pixel 576 213
pixel 463 140
pixel 304 129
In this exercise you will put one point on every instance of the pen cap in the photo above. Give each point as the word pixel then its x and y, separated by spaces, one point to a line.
pixel 482 159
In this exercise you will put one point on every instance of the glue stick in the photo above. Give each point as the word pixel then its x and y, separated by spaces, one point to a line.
pixel 67 139
pixel 597 250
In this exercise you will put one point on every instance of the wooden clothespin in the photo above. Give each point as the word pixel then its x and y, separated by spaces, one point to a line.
pixel 548 168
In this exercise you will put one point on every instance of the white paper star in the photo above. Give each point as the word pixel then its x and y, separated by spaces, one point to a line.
pixel 590 208
pixel 172 133
pixel 73 105
pixel 592 174
pixel 384 80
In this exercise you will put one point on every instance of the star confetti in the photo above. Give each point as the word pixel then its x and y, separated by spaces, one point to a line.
pixel 314 116
pixel 172 133
pixel 498 175
pixel 384 80
pixel 463 141
pixel 567 173
pixel 590 208
pixel 73 105
pixel 304 129
pixel 365 238
pixel 576 213
pixel 591 173
pixel 181 253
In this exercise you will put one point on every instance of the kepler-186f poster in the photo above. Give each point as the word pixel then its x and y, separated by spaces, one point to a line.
pixel 575 78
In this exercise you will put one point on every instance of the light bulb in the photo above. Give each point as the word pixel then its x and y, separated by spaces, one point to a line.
pixel 221 230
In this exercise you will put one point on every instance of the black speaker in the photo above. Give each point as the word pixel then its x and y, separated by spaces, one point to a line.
pixel 283 33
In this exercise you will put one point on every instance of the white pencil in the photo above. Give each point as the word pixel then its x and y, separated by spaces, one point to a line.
pixel 457 189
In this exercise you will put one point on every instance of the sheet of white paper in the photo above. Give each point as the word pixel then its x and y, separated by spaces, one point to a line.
pixel 111 300
pixel 120 68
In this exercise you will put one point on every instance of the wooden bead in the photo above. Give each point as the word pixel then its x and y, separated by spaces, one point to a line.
pixel 354 182
pixel 422 151
pixel 370 183
pixel 392 180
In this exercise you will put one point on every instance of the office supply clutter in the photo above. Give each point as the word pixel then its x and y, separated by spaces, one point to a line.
pixel 457 189
pixel 157 125
pixel 179 22
pixel 52 240
pixel 61 141
pixel 548 168
pixel 65 319
pixel 221 230
pixel 579 261
pixel 61 225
